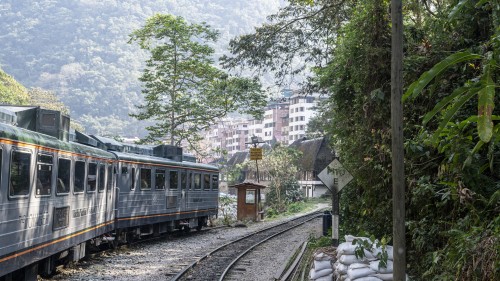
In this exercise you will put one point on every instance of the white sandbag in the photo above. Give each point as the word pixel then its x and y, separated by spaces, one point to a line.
pixel 375 266
pixel 384 276
pixel 313 274
pixel 322 257
pixel 350 259
pixel 358 265
pixel 346 248
pixel 389 249
pixel 368 278
pixel 354 273
pixel 326 278
pixel 341 268
pixel 320 265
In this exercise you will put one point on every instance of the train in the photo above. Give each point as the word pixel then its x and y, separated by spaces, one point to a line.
pixel 63 193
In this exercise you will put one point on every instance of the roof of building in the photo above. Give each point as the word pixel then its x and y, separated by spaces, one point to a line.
pixel 316 154
pixel 237 158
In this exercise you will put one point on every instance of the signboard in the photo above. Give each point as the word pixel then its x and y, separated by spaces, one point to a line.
pixel 335 175
pixel 255 153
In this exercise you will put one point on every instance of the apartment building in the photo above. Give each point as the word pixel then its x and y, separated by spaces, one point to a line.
pixel 285 120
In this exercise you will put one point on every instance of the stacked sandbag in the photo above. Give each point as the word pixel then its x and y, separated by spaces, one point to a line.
pixel 322 268
pixel 368 268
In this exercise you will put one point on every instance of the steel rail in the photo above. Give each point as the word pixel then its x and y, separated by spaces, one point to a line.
pixel 312 215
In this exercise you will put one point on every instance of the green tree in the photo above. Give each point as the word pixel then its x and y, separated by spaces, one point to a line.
pixel 11 91
pixel 184 92
pixel 281 164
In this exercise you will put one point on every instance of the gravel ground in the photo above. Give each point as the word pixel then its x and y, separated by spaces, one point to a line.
pixel 267 261
pixel 159 259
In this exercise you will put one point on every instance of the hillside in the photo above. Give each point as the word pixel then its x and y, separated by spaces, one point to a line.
pixel 79 50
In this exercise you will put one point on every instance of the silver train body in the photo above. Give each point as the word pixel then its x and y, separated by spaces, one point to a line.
pixel 58 198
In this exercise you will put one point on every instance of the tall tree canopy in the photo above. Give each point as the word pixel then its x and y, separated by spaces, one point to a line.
pixel 452 134
pixel 184 92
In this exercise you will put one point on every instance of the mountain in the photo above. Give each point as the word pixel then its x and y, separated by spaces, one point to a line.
pixel 78 49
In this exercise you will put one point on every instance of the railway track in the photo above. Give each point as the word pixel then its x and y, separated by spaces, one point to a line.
pixel 218 263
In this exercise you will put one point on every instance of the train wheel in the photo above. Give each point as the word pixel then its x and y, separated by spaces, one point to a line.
pixel 186 229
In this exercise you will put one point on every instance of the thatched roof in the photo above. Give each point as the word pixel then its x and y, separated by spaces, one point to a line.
pixel 238 158
pixel 316 154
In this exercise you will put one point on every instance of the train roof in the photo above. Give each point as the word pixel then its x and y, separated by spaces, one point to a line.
pixel 162 161
pixel 30 137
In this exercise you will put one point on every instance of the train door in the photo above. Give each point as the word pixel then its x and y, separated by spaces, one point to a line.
pixel 110 183
pixel 184 189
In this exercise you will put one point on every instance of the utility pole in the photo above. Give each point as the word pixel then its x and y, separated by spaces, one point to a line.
pixel 255 153
pixel 398 177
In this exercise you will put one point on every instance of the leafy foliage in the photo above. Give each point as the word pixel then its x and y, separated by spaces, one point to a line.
pixel 11 91
pixel 452 49
pixel 184 92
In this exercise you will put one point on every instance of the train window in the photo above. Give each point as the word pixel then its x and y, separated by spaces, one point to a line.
pixel 1 153
pixel 92 177
pixel 189 180
pixel 183 180
pixel 63 175
pixel 174 179
pixel 215 181
pixel 20 173
pixel 102 177
pixel 79 176
pixel 206 181
pixel 197 181
pixel 160 179
pixel 44 174
pixel 110 177
pixel 145 178
pixel 132 183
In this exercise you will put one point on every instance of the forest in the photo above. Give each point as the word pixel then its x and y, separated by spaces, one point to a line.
pixel 78 50
pixel 451 118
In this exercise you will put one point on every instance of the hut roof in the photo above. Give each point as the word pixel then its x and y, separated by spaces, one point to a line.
pixel 316 154
pixel 248 185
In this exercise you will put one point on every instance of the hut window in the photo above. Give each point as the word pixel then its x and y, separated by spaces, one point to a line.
pixel 250 196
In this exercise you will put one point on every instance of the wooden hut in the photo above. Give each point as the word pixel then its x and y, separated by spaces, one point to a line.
pixel 249 201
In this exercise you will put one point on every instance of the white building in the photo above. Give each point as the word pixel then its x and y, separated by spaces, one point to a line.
pixel 301 110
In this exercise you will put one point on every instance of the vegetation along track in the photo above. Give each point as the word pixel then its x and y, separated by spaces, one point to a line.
pixel 216 264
